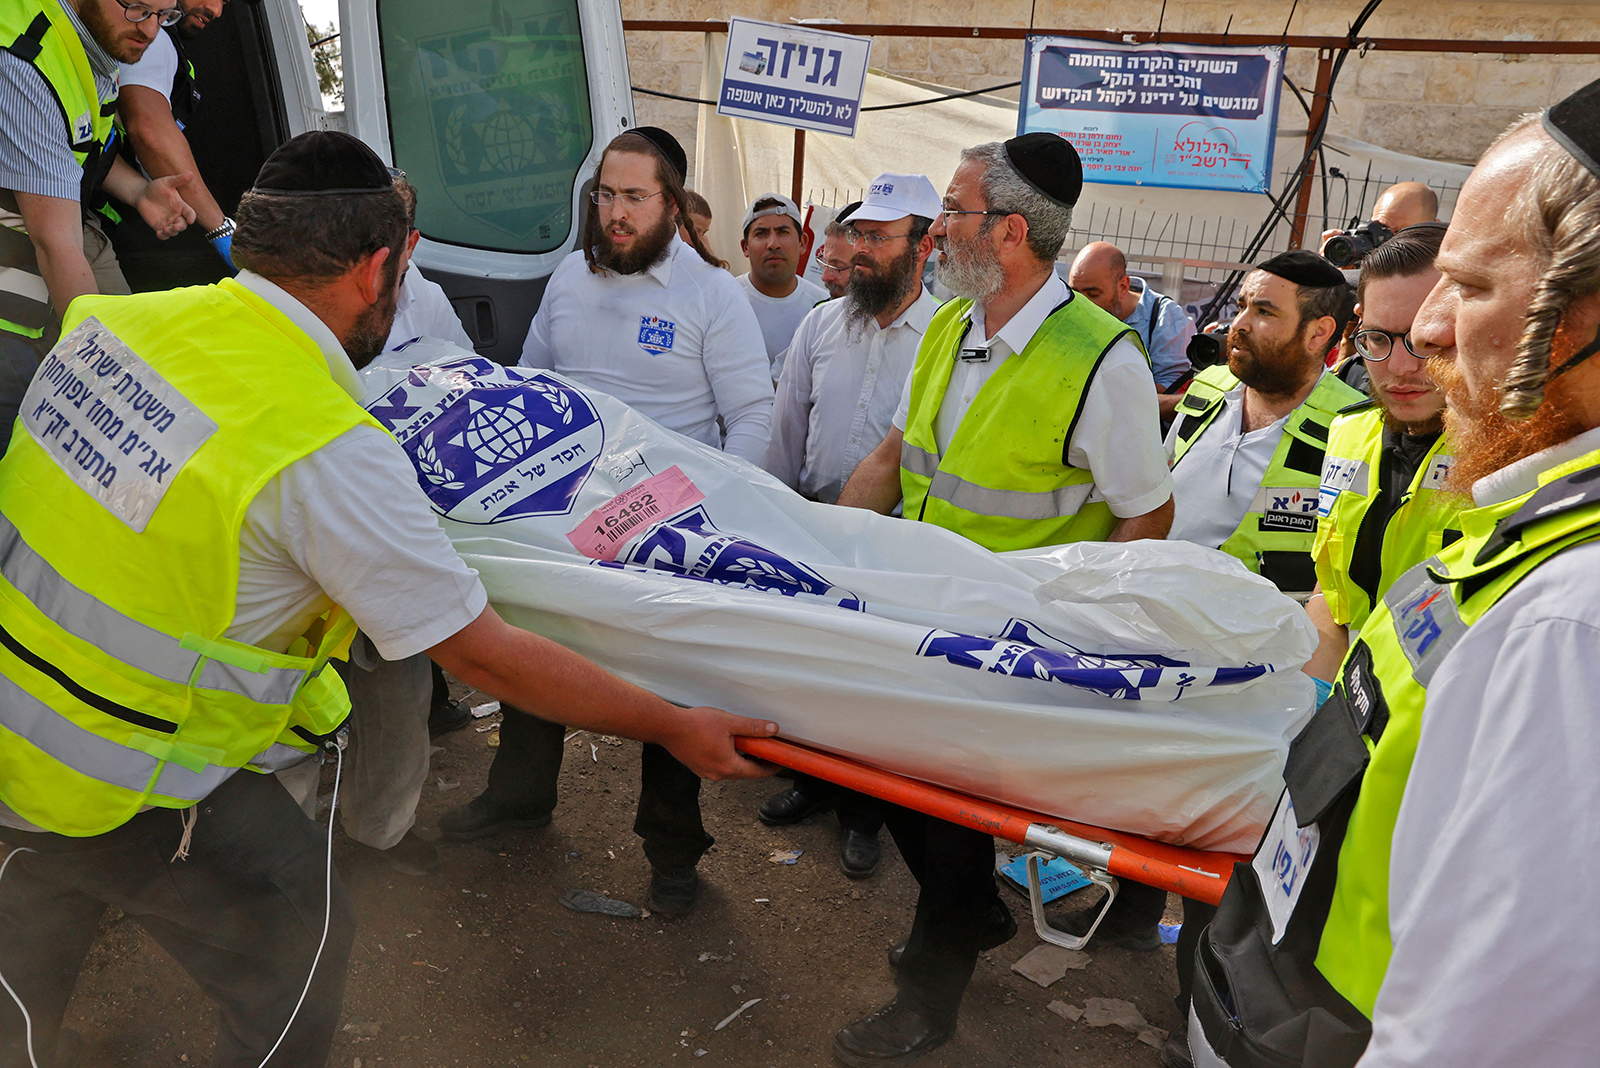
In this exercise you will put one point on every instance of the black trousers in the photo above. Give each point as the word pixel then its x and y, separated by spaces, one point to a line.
pixel 856 811
pixel 242 915
pixel 1138 905
pixel 954 867
pixel 522 782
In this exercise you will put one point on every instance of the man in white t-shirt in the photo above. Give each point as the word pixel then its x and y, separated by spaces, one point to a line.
pixel 157 99
pixel 236 886
pixel 644 316
pixel 778 295
pixel 641 314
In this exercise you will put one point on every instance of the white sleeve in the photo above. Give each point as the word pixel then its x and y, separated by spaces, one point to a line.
pixel 1496 852
pixel 434 315
pixel 791 410
pixel 735 360
pixel 1118 437
pixel 356 522
pixel 156 69
pixel 536 350
pixel 902 412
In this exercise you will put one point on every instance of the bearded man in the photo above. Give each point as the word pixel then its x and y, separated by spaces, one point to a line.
pixel 1463 725
pixel 650 318
pixel 1029 419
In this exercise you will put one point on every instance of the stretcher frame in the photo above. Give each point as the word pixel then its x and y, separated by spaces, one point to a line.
pixel 1105 855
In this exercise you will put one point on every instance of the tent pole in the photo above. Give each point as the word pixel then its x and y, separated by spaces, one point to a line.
pixel 799 165
pixel 1319 108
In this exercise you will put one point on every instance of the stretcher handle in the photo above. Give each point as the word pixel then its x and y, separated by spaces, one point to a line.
pixel 1188 872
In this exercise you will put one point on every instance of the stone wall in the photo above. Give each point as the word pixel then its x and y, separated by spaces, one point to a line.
pixel 1442 106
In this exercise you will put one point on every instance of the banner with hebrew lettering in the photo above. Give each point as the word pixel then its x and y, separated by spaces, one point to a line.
pixel 1186 117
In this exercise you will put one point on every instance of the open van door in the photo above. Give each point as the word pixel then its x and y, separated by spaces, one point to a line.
pixel 258 88
pixel 497 110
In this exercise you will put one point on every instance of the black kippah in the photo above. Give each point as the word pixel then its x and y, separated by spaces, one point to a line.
pixel 847 211
pixel 668 146
pixel 1049 164
pixel 1575 125
pixel 321 163
pixel 1304 269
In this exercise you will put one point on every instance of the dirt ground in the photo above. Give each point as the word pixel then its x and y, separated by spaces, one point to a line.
pixel 480 965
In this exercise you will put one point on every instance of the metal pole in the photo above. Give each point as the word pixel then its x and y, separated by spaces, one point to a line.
pixel 799 165
pixel 1319 108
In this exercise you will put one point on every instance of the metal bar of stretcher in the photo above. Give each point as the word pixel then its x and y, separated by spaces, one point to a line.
pixel 1188 872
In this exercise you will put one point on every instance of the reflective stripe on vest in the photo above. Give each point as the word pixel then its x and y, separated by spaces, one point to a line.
pixel 1004 481
pixel 119 581
pixel 1295 466
pixel 1301 989
pixel 1414 531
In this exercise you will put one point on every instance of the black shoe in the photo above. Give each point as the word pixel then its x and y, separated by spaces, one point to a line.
pixel 998 929
pixel 791 806
pixel 447 716
pixel 859 854
pixel 1076 924
pixel 1175 1051
pixel 673 891
pixel 476 819
pixel 412 855
pixel 899 1032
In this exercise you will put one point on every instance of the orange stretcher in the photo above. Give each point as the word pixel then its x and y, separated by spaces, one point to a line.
pixel 1104 855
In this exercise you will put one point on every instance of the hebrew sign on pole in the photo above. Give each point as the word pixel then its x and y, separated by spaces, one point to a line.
pixel 1188 116
pixel 796 76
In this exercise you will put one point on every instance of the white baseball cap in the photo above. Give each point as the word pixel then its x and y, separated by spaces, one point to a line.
pixel 784 206
pixel 894 196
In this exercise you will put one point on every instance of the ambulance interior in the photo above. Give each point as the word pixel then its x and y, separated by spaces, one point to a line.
pixel 497 111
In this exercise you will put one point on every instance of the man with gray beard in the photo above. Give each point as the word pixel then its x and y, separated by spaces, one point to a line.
pixel 1029 419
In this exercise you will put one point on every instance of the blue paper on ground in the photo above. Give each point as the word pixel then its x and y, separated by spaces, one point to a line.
pixel 1056 879
pixel 1169 933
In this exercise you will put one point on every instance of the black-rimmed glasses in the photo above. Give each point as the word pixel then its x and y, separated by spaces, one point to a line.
pixel 1378 345
pixel 139 12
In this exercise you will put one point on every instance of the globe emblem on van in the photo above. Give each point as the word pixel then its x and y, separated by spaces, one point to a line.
pixel 498 435
pixel 508 142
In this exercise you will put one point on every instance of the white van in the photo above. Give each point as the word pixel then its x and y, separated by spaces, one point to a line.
pixel 497 110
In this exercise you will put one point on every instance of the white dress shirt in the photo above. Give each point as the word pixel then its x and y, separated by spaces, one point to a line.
pixel 677 341
pixel 1221 474
pixel 424 311
pixel 837 397
pixel 1495 863
pixel 780 317
pixel 1118 436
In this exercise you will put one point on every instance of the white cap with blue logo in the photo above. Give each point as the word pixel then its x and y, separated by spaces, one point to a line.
pixel 894 196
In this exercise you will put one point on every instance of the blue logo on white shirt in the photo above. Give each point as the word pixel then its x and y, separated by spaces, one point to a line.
pixel 656 334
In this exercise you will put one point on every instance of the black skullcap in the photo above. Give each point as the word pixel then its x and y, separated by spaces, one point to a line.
pixel 320 163
pixel 847 211
pixel 1575 125
pixel 1304 269
pixel 1049 164
pixel 668 146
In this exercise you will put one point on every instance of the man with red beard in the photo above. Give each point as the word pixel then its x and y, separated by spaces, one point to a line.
pixel 653 321
pixel 1383 506
pixel 1463 724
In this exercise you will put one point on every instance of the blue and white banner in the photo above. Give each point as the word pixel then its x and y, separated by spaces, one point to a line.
pixel 794 76
pixel 1190 117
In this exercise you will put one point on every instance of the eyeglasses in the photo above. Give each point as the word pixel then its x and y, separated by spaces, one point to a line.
pixel 1377 345
pixel 955 211
pixel 854 237
pixel 140 12
pixel 605 197
pixel 838 268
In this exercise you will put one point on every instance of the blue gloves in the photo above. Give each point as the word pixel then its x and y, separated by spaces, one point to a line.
pixel 1324 690
pixel 224 247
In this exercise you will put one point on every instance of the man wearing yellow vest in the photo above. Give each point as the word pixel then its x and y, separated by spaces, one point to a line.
pixel 1425 894
pixel 58 87
pixel 1383 506
pixel 1029 419
pixel 196 514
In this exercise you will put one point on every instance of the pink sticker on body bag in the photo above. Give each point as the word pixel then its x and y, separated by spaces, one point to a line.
pixel 607 529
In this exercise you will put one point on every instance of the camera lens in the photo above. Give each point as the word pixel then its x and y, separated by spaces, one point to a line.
pixel 1341 251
